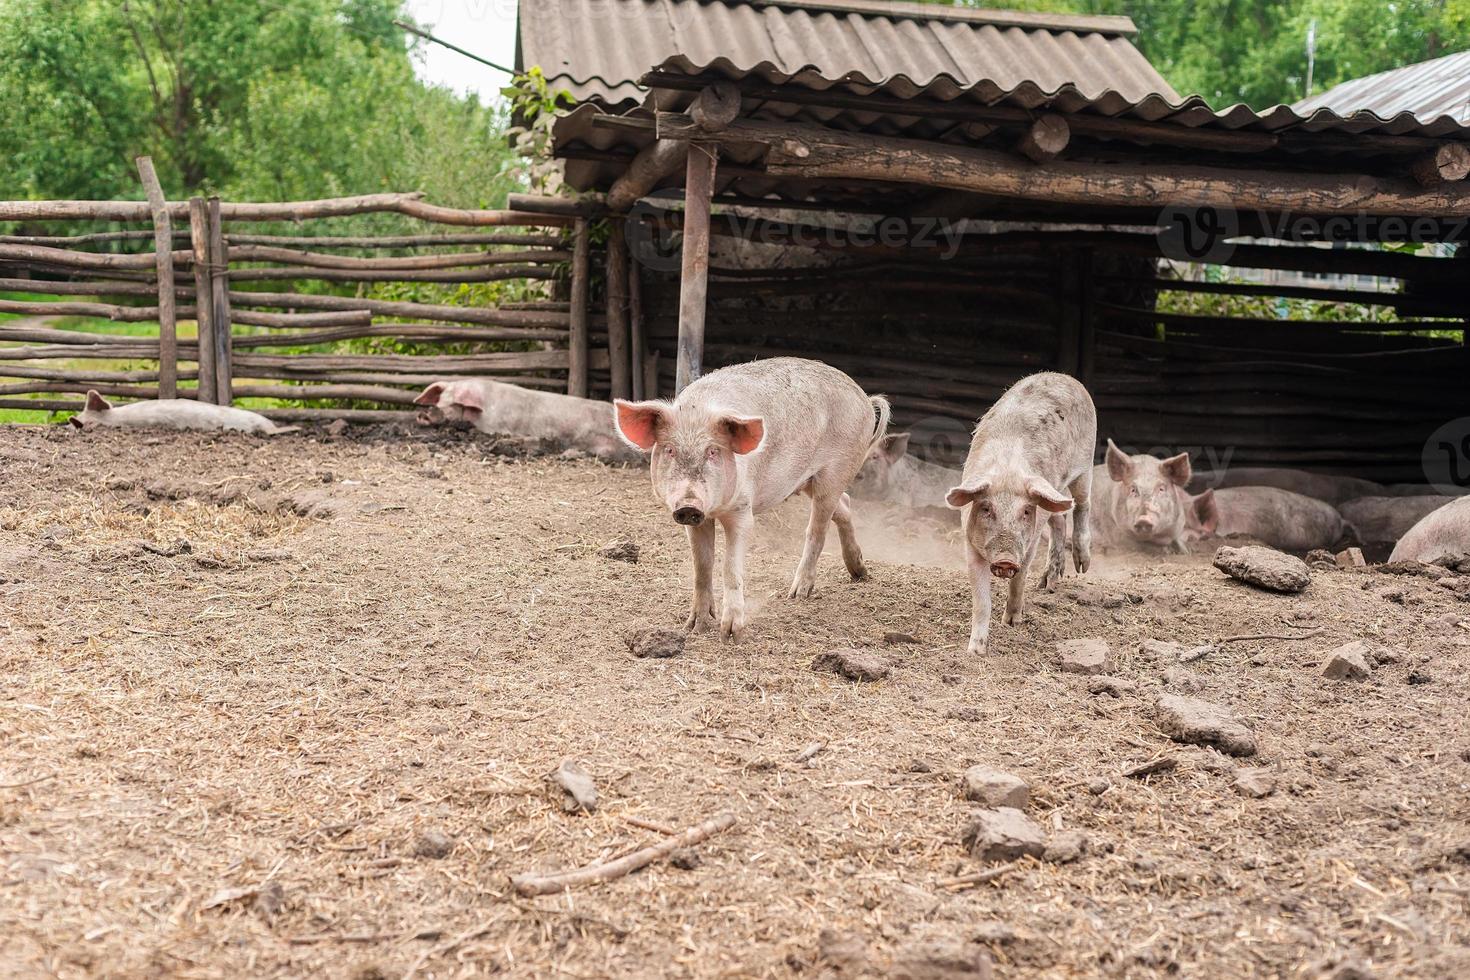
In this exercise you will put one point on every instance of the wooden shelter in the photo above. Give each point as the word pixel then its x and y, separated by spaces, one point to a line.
pixel 941 200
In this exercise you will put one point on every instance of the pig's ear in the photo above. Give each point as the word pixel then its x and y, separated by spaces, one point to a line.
pixel 1205 512
pixel 959 496
pixel 746 433
pixel 894 446
pixel 430 395
pixel 641 423
pixel 1046 496
pixel 96 403
pixel 1120 467
pixel 1177 469
pixel 467 397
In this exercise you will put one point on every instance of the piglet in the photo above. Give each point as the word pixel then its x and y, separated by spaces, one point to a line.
pixel 891 474
pixel 1443 534
pixel 1383 520
pixel 1141 500
pixel 739 441
pixel 1031 455
pixel 506 409
pixel 1279 518
pixel 173 413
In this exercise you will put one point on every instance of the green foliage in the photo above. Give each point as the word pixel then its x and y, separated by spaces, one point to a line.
pixel 534 108
pixel 1271 307
pixel 299 99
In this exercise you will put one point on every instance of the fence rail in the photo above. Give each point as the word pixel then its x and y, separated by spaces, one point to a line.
pixel 252 295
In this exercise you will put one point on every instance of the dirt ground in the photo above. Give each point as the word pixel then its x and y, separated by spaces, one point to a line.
pixel 306 731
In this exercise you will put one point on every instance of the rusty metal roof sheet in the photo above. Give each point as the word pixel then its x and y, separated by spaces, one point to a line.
pixel 598 49
pixel 1428 91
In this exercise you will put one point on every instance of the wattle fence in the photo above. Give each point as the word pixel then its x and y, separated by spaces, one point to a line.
pixel 270 309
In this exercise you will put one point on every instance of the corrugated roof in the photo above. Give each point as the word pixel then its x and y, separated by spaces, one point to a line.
pixel 598 49
pixel 1428 90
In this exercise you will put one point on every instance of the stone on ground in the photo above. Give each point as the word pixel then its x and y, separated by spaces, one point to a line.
pixel 1197 722
pixel 1254 781
pixel 993 787
pixel 1348 662
pixel 1085 656
pixel 855 665
pixel 1265 568
pixel 1003 834
pixel 942 961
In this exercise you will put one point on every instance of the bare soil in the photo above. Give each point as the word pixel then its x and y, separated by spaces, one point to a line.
pixel 308 731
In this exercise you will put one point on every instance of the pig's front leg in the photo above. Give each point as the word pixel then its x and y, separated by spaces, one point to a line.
pixel 1016 593
pixel 1056 564
pixel 702 543
pixel 1081 490
pixel 737 539
pixel 979 601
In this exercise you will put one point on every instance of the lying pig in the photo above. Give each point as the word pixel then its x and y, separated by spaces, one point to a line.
pixel 496 407
pixel 1320 486
pixel 891 474
pixel 739 441
pixel 173 413
pixel 1443 535
pixel 1141 500
pixel 1031 455
pixel 1279 518
pixel 1384 520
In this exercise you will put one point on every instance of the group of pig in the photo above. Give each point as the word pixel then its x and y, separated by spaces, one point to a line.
pixel 743 439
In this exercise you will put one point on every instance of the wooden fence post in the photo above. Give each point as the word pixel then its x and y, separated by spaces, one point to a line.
pixel 219 298
pixel 699 187
pixel 577 334
pixel 617 309
pixel 636 330
pixel 203 298
pixel 163 244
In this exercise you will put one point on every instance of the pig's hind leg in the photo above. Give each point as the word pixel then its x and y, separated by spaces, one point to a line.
pixel 824 507
pixel 852 555
pixel 1081 490
pixel 1056 563
pixel 702 543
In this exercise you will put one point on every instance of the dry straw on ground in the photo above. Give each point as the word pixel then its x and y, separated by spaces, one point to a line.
pixel 316 740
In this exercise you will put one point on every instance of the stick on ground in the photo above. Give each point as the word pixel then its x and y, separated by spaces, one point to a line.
pixel 534 884
pixel 1271 636
pixel 978 877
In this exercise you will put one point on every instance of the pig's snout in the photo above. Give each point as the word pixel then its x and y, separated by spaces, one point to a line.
pixel 1004 567
pixel 689 516
pixel 1143 525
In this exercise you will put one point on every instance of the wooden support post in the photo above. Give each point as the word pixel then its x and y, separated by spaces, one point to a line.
pixel 204 307
pixel 219 296
pixel 699 187
pixel 163 244
pixel 650 375
pixel 577 341
pixel 637 330
pixel 1087 319
pixel 617 311
pixel 1069 319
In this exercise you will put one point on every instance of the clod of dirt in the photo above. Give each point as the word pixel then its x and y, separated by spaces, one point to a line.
pixel 994 787
pixel 1346 969
pixel 1153 767
pixel 433 844
pixel 1003 834
pixel 1348 662
pixel 269 554
pixel 1350 558
pixel 1265 568
pixel 893 637
pixel 1099 786
pixel 855 665
pixel 1196 722
pixel 809 752
pixel 1321 558
pixel 1114 686
pixel 580 792
pixel 270 900
pixel 1161 649
pixel 179 546
pixel 1183 679
pixel 622 550
pixel 336 428
pixel 942 961
pixel 320 504
pixel 841 949
pixel 1065 847
pixel 965 712
pixel 1254 781
pixel 658 644
pixel 685 859
pixel 1085 656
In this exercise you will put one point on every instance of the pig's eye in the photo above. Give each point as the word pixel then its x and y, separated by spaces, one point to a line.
pixel 712 454
pixel 669 451
pixel 1132 491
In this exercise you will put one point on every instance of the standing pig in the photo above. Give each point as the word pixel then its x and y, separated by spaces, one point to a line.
pixel 496 407
pixel 1319 486
pixel 1141 499
pixel 1383 520
pixel 1279 518
pixel 173 413
pixel 1031 454
pixel 891 474
pixel 739 441
pixel 1443 535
